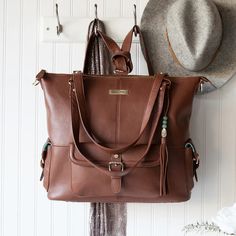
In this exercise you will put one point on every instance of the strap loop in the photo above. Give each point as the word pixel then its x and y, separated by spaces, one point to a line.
pixel 127 56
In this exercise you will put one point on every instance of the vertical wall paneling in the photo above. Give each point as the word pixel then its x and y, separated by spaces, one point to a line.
pixel 212 149
pixel 3 19
pixel 143 64
pixel 11 142
pixel 44 60
pixel 24 207
pixel 194 208
pixel 228 144
pixel 80 8
pixel 128 6
pixel 112 8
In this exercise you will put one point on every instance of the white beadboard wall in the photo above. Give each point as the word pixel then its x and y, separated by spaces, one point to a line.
pixel 24 208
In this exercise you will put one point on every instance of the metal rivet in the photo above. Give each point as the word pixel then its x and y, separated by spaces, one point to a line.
pixel 47 28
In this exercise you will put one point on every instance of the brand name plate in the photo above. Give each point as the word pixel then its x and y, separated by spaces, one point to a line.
pixel 118 92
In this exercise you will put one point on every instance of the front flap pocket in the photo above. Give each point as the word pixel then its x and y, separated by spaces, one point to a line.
pixel 88 181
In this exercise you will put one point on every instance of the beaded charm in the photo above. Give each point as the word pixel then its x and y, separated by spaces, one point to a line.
pixel 164 127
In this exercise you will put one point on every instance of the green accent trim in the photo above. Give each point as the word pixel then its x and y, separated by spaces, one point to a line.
pixel 46 145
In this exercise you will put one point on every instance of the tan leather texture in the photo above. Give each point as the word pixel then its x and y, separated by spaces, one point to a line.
pixel 111 148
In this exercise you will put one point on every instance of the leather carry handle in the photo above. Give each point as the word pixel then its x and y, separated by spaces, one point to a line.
pixel 78 89
pixel 75 129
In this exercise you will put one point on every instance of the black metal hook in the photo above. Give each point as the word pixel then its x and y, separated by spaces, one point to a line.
pixel 96 10
pixel 135 20
pixel 59 26
pixel 96 18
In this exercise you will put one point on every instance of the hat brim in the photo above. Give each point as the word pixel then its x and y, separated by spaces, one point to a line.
pixel 222 68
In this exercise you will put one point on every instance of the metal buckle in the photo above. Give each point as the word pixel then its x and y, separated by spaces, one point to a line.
pixel 115 163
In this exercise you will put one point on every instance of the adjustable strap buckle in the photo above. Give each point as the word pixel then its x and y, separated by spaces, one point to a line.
pixel 196 159
pixel 116 163
pixel 128 62
pixel 195 154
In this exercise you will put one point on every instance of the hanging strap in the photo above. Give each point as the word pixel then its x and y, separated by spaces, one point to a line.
pixel 121 57
pixel 126 46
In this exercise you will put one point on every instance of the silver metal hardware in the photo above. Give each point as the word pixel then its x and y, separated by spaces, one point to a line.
pixel 201 87
pixel 70 81
pixel 115 163
pixel 118 92
pixel 35 83
pixel 76 71
pixel 59 26
pixel 196 157
pixel 190 145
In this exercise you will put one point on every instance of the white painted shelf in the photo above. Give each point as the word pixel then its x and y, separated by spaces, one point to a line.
pixel 75 29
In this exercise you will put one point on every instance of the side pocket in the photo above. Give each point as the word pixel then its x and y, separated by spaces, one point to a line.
pixel 46 170
pixel 189 167
pixel 45 163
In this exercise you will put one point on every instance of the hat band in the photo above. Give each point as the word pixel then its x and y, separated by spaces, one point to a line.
pixel 177 60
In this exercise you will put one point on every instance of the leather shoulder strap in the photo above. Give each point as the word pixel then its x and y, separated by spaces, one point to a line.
pixel 78 90
pixel 126 46
pixel 75 115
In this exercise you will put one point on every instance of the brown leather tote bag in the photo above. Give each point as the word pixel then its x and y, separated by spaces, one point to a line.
pixel 118 138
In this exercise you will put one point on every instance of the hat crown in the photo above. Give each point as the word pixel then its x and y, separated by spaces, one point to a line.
pixel 194 31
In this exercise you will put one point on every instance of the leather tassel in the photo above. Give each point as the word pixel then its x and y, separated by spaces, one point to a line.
pixel 163 167
pixel 163 158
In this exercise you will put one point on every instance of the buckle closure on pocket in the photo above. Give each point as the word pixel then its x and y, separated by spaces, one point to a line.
pixel 196 158
pixel 115 163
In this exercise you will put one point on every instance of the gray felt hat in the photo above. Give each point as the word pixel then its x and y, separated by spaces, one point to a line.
pixel 192 37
